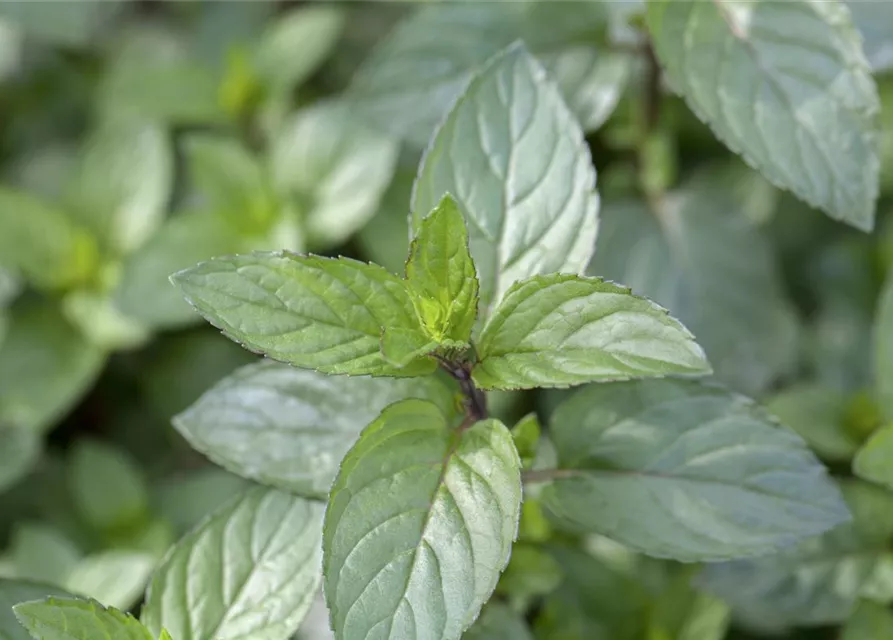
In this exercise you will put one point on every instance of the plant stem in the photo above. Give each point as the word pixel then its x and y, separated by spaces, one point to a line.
pixel 475 399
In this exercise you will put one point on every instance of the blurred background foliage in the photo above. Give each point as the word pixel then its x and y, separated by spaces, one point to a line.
pixel 139 138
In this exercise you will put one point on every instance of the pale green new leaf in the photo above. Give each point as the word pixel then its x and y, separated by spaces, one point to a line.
pixel 116 577
pixel 874 461
pixel 312 312
pixel 420 522
pixel 441 275
pixel 13 592
pixel 255 563
pixel 883 348
pixel 561 329
pixel 701 259
pixel 681 470
pixel 817 414
pixel 786 86
pixel 20 448
pixel 146 294
pixel 296 44
pixel 529 217
pixel 870 621
pixel 819 580
pixel 290 428
pixel 70 619
pixel 233 183
pixel 107 486
pixel 45 366
pixel 122 185
pixel 42 242
pixel 334 167
pixel 422 67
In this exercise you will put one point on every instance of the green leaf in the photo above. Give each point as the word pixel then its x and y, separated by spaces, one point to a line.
pixel 45 366
pixel 441 275
pixel 874 461
pixel 819 580
pixel 334 167
pixel 524 218
pixel 312 312
pixel 146 294
pixel 294 46
pixel 101 322
pixel 290 428
pixel 413 76
pixel 873 19
pixel 883 348
pixel 526 436
pixel 107 486
pixel 498 622
pixel 116 577
pixel 816 413
pixel 680 612
pixel 706 472
pixel 232 181
pixel 20 447
pixel 13 592
pixel 41 241
pixel 559 330
pixel 531 573
pixel 870 621
pixel 417 531
pixel 165 635
pixel 123 183
pixel 70 619
pixel 40 552
pixel 185 499
pixel 786 86
pixel 261 549
pixel 712 270
pixel 69 25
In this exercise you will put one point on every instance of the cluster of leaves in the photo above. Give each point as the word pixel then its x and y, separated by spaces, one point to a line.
pixel 732 481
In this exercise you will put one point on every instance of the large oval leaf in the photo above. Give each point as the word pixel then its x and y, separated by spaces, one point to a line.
pixel 249 571
pixel 290 428
pixel 514 158
pixel 681 470
pixel 420 523
pixel 785 85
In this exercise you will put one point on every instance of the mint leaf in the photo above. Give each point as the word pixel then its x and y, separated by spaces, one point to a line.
pixel 529 218
pixel 107 486
pixel 45 366
pixel 819 580
pixel 311 312
pixel 233 183
pixel 50 250
pixel 417 531
pixel 706 472
pixel 116 577
pixel 290 428
pixel 70 619
pixel 498 622
pixel 260 548
pixel 874 461
pixel 786 86
pixel 697 256
pixel 187 498
pixel 334 168
pixel 870 621
pixel 101 322
pixel 123 183
pixel 413 76
pixel 883 348
pixel 817 414
pixel 441 275
pixel 561 329
pixel 294 46
pixel 20 447
pixel 145 293
pixel 40 552
pixel 526 436
pixel 13 592
pixel 873 19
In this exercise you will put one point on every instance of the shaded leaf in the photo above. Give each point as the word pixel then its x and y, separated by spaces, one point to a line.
pixel 40 552
pixel 498 622
pixel 686 471
pixel 883 348
pixel 874 461
pixel 529 218
pixel 20 448
pixel 116 577
pixel 13 592
pixel 290 428
pixel 817 414
pixel 416 532
pixel 786 86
